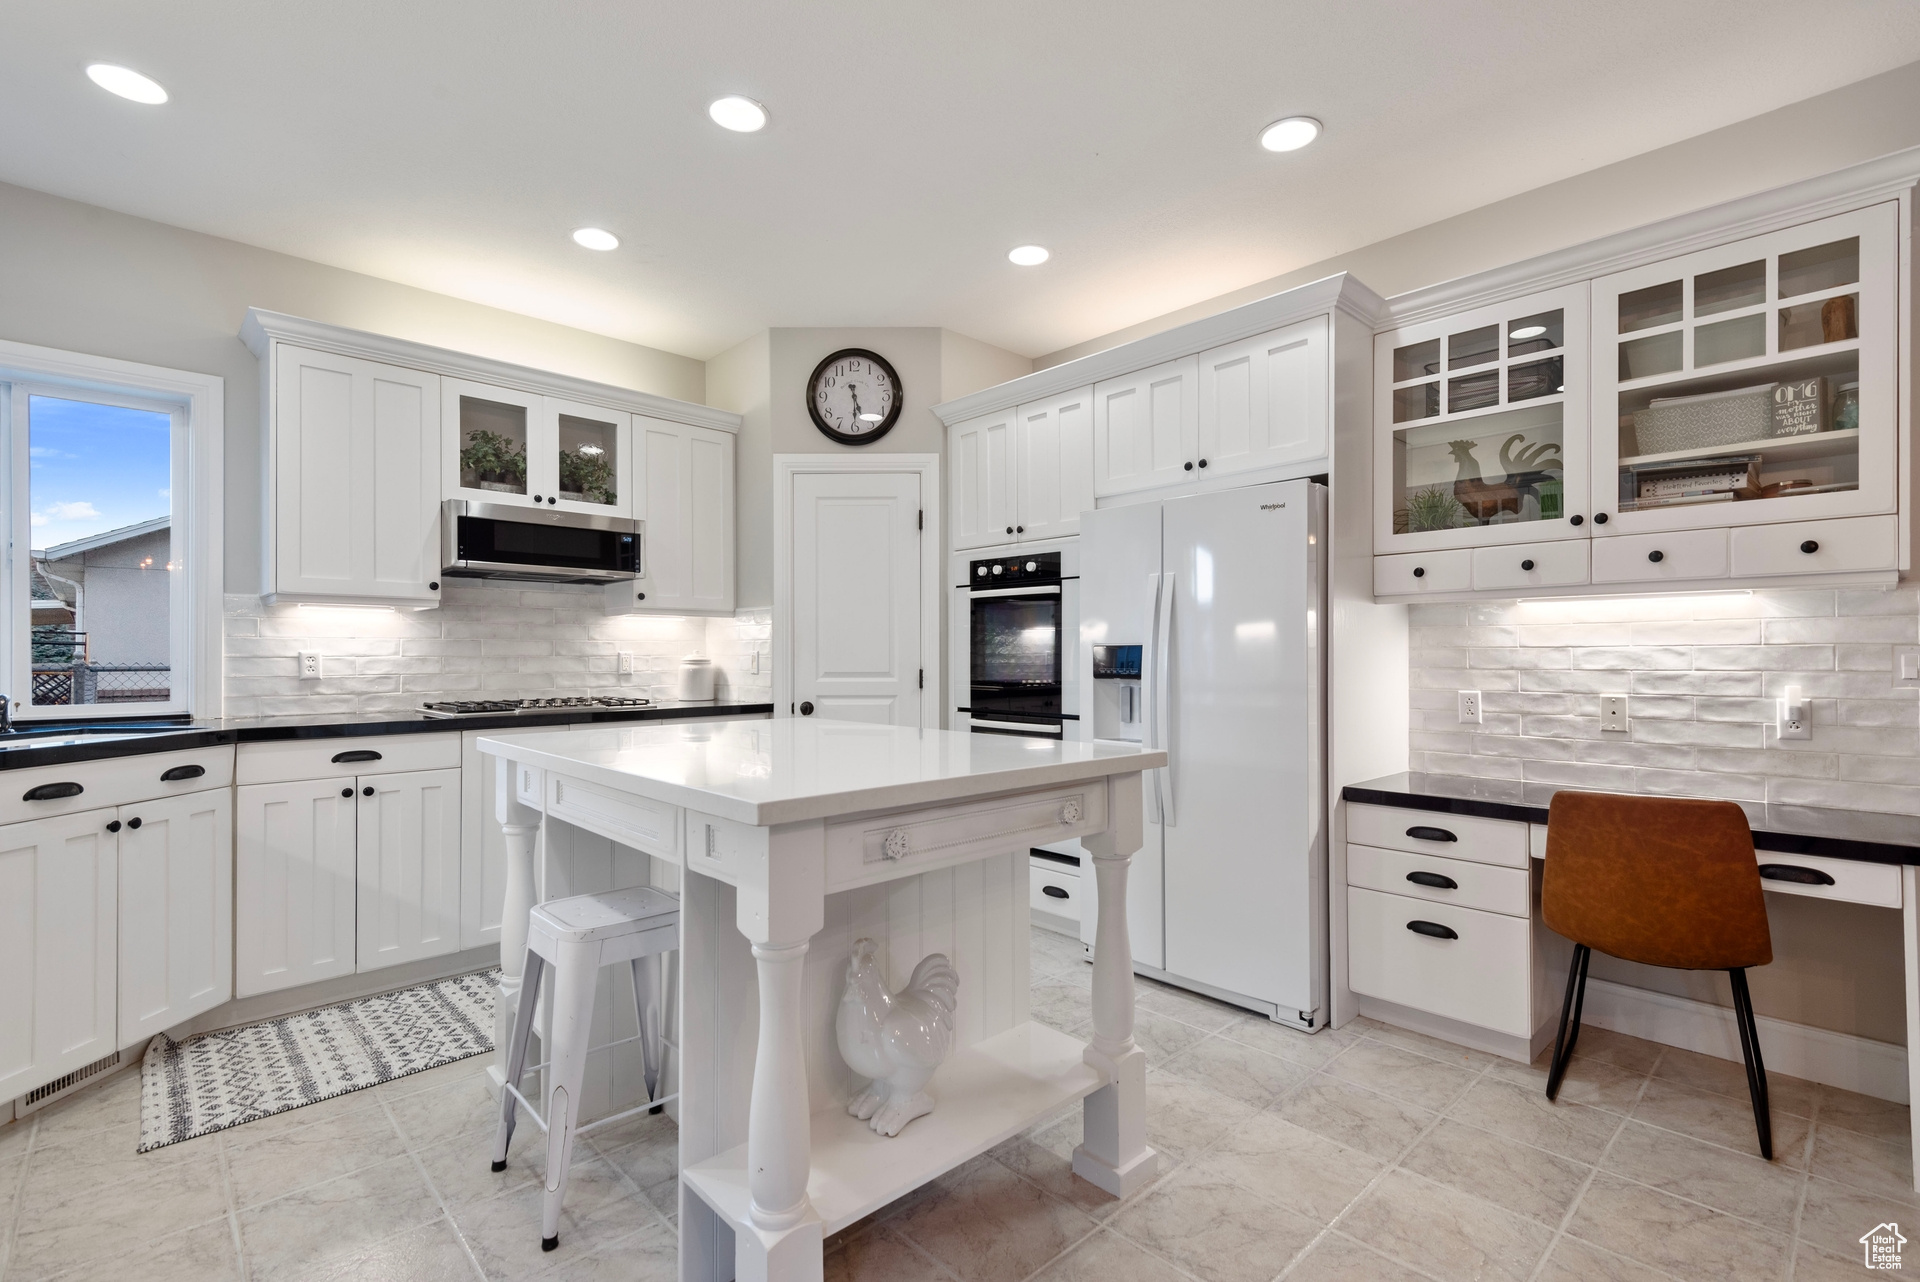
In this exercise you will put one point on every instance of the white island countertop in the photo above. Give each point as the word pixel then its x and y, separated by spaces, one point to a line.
pixel 794 769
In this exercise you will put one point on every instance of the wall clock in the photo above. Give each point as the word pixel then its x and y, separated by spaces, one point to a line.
pixel 854 396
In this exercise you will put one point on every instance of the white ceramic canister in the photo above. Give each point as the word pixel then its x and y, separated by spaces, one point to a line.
pixel 696 680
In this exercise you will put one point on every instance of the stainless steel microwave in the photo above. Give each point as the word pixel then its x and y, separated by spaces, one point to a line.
pixel 506 541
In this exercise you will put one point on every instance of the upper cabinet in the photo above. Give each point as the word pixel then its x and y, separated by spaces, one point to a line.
pixel 506 446
pixel 980 463
pixel 1263 401
pixel 682 483
pixel 1023 474
pixel 1146 428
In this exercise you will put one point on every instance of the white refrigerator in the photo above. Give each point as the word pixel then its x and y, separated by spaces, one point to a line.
pixel 1201 624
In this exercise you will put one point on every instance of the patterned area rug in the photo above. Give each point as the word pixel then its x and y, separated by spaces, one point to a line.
pixel 217 1080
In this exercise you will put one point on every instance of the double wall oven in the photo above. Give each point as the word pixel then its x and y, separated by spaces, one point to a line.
pixel 1020 616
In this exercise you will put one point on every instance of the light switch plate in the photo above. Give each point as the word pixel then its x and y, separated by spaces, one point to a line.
pixel 1470 708
pixel 1906 665
pixel 309 665
pixel 1613 713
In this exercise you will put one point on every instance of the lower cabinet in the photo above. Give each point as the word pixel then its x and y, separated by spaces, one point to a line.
pixel 176 910
pixel 344 874
pixel 58 906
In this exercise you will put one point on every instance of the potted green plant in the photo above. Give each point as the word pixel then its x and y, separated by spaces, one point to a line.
pixel 586 475
pixel 490 461
pixel 1434 508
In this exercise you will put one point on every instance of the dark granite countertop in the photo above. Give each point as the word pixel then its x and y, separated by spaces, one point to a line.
pixel 1796 830
pixel 23 750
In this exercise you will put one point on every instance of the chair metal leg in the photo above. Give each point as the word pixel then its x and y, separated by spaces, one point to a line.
pixel 1756 1066
pixel 1570 1009
pixel 575 977
pixel 646 1009
pixel 517 1056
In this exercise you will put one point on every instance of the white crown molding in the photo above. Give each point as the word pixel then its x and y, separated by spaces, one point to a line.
pixel 262 328
pixel 1885 178
pixel 1340 292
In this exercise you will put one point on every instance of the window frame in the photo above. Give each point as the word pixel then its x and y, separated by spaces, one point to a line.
pixel 195 404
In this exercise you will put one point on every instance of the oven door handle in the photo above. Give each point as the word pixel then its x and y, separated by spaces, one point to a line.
pixel 1033 729
pixel 1049 589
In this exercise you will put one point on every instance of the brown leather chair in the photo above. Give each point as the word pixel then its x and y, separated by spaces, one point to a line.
pixel 1664 881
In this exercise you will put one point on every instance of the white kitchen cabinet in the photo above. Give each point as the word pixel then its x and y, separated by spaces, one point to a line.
pixel 58 903
pixel 1146 428
pixel 176 910
pixel 683 487
pixel 353 512
pixel 507 445
pixel 407 867
pixel 294 883
pixel 981 456
pixel 1263 401
pixel 1053 465
pixel 483 847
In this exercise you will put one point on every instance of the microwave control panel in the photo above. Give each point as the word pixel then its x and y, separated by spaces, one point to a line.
pixel 1012 571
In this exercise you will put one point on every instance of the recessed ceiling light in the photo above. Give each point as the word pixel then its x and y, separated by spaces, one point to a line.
pixel 127 83
pixel 1028 255
pixel 595 238
pixel 1528 331
pixel 1290 134
pixel 742 115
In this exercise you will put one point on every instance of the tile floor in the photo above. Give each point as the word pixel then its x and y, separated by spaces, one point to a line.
pixel 1369 1153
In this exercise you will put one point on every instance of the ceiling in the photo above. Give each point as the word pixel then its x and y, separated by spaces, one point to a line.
pixel 454 146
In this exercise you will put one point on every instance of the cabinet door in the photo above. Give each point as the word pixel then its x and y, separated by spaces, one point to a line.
pixel 487 440
pixel 293 883
pixel 1263 400
pixel 1053 453
pixel 577 458
pixel 707 479
pixel 984 499
pixel 176 910
pixel 1146 428
pixel 409 867
pixel 1753 383
pixel 57 905
pixel 684 491
pixel 356 479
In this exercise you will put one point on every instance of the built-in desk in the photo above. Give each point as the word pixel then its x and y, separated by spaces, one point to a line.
pixel 1488 837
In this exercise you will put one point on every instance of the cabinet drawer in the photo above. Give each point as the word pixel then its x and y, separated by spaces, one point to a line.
pixel 1852 881
pixel 1650 558
pixel 640 822
pixel 879 847
pixel 1054 890
pixel 1475 967
pixel 1530 565
pixel 289 760
pixel 113 782
pixel 1838 547
pixel 1423 572
pixel 1431 832
pixel 1488 887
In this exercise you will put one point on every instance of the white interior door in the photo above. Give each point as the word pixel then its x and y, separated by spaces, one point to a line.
pixel 857 648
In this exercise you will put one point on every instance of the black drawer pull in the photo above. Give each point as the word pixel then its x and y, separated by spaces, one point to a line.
pixel 52 792
pixel 1810 547
pixel 1425 833
pixel 182 772
pixel 1433 879
pixel 1527 564
pixel 1433 930
pixel 1419 571
pixel 1796 874
pixel 1656 556
pixel 1053 892
pixel 358 754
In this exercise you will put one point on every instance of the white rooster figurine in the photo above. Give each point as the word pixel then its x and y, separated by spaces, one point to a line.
pixel 895 1039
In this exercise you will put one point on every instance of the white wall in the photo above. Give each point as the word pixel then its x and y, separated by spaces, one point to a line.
pixel 739 379
pixel 85 279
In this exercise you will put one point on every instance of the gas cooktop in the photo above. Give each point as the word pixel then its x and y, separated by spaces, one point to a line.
pixel 511 707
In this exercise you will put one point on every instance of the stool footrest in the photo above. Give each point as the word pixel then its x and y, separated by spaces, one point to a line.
pixel 590 1127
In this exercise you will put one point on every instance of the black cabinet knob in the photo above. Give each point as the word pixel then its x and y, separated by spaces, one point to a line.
pixel 134 822
pixel 551 501
pixel 1599 518
pixel 367 791
pixel 806 709
pixel 1576 519
pixel 1810 547
pixel 536 498
pixel 114 826
pixel 433 587
pixel 1019 529
pixel 640 596
pixel 1527 564
pixel 1189 467
pixel 1203 462
pixel 346 792
pixel 1009 529
pixel 1419 571
pixel 1656 556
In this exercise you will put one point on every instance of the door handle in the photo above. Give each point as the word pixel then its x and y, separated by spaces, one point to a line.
pixel 806 709
pixel 1423 833
pixel 1434 880
pixel 1163 693
pixel 1150 721
pixel 358 754
pixel 1796 874
pixel 1433 930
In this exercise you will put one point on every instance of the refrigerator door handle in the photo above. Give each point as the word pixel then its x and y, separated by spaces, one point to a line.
pixel 1163 692
pixel 1148 686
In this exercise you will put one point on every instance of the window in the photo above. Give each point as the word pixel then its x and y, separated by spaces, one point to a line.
pixel 107 576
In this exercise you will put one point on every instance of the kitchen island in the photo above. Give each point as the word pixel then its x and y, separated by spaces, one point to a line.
pixel 787 841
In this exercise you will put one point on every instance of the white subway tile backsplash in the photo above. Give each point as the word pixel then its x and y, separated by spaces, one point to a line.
pixel 1702 674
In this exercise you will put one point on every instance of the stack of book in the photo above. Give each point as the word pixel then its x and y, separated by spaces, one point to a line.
pixel 1684 481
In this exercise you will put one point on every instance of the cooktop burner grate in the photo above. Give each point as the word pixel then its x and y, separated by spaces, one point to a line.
pixel 510 707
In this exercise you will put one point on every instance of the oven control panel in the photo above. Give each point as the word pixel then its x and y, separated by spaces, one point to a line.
pixel 1011 571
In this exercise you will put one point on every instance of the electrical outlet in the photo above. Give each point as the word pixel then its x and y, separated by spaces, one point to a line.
pixel 309 665
pixel 1906 665
pixel 1795 717
pixel 1469 707
pixel 1613 713
pixel 626 663
pixel 755 669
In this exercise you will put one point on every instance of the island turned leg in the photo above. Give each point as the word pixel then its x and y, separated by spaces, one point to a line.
pixel 521 826
pixel 1114 1155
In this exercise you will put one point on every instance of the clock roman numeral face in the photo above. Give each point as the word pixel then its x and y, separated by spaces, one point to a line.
pixel 854 395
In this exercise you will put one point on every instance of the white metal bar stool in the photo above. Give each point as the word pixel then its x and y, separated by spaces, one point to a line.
pixel 577 936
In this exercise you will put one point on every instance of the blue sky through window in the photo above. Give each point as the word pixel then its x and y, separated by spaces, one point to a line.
pixel 94 468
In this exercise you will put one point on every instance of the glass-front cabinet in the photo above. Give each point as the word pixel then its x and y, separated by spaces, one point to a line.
pixel 1481 426
pixel 1750 383
pixel 508 446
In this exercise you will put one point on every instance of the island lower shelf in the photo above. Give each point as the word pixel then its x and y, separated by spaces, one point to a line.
pixel 984 1093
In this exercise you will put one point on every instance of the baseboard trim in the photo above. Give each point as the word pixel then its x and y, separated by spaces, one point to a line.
pixel 1851 1063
